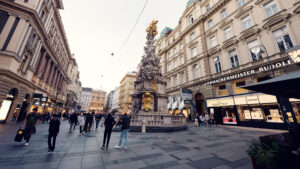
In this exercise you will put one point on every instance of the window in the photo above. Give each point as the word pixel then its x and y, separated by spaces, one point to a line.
pixel 210 24
pixel 194 51
pixel 3 19
pixel 169 82
pixel 271 8
pixel 283 39
pixel 246 22
pixel 191 19
pixel 174 50
pixel 175 64
pixel 240 3
pixel 254 48
pixel 228 33
pixel 217 64
pixel 233 58
pixel 169 55
pixel 196 71
pixel 192 36
pixel 223 14
pixel 213 41
pixel 176 80
pixel 182 75
pixel 222 91
pixel 207 8
pixel 169 67
pixel 237 86
pixel 181 60
pixel 181 46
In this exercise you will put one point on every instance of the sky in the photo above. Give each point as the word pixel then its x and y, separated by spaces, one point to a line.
pixel 97 28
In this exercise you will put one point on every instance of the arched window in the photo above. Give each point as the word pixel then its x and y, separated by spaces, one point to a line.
pixel 191 19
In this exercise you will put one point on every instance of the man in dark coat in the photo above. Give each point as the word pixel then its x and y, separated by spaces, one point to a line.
pixel 125 122
pixel 32 119
pixel 73 121
pixel 109 124
pixel 53 132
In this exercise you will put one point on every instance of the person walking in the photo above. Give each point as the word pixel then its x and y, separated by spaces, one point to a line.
pixel 81 122
pixel 32 119
pixel 206 117
pixel 202 119
pixel 88 122
pixel 125 122
pixel 109 124
pixel 73 121
pixel 53 132
pixel 98 118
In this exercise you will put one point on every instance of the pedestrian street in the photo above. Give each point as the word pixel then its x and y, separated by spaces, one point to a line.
pixel 204 148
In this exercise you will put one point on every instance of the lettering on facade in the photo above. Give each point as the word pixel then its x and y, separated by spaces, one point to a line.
pixel 249 72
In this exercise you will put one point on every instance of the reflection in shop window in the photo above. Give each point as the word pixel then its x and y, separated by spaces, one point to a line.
pixel 222 91
pixel 296 108
pixel 267 113
pixel 228 115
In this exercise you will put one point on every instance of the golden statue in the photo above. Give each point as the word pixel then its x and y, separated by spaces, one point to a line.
pixel 147 101
pixel 152 27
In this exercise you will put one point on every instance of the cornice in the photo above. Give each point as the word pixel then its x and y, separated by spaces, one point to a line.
pixel 243 11
pixel 279 17
pixel 250 32
pixel 225 23
pixel 16 77
pixel 215 8
pixel 230 42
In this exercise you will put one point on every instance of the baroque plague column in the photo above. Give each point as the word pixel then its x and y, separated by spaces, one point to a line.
pixel 149 98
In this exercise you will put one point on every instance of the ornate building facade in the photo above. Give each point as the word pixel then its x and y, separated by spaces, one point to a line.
pixel 220 46
pixel 34 58
pixel 126 88
pixel 98 100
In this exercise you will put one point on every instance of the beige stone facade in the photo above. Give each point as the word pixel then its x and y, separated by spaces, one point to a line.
pixel 220 45
pixel 97 101
pixel 34 57
pixel 126 88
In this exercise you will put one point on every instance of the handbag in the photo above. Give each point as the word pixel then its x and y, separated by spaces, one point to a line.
pixel 19 135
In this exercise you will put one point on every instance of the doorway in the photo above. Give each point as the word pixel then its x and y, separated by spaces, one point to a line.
pixel 24 108
pixel 200 106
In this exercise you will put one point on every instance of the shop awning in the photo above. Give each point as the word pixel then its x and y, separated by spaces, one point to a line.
pixel 287 86
pixel 175 106
pixel 181 105
pixel 169 105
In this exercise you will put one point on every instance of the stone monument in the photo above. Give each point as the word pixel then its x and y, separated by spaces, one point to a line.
pixel 149 99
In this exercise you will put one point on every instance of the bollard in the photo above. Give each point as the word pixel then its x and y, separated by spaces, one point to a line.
pixel 144 126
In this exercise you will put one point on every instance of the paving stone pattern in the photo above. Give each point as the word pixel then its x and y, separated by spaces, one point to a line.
pixel 200 148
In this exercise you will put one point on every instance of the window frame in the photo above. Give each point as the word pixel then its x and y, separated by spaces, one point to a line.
pixel 270 5
pixel 247 20
pixel 210 23
pixel 213 41
pixel 234 59
pixel 226 31
pixel 194 49
pixel 217 64
pixel 224 11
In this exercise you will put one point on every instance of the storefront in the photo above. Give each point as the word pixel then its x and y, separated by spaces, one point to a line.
pixel 253 110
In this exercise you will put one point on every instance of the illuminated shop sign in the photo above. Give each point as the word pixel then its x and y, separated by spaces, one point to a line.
pixel 249 72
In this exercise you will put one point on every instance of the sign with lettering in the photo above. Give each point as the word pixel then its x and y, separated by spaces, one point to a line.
pixel 186 94
pixel 227 101
pixel 249 72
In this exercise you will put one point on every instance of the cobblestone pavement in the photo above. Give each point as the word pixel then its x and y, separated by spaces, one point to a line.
pixel 203 148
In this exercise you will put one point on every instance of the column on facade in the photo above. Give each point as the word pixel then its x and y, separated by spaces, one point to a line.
pixel 60 83
pixel 40 63
pixel 50 75
pixel 58 80
pixel 46 68
pixel 54 76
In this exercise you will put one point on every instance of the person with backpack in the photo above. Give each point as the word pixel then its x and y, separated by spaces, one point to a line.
pixel 125 122
pixel 109 124
pixel 53 132
pixel 32 119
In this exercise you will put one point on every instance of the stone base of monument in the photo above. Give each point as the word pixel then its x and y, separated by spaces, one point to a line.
pixel 156 122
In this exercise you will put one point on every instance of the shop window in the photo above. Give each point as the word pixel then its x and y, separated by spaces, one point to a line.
pixel 237 87
pixel 283 39
pixel 260 79
pixel 217 64
pixel 234 59
pixel 228 33
pixel 229 115
pixel 296 107
pixel 246 22
pixel 223 14
pixel 254 48
pixel 267 113
pixel 222 90
pixel 271 8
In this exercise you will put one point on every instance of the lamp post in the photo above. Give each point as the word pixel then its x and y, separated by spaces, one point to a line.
pixel 263 49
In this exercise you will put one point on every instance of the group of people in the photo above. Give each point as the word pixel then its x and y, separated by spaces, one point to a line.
pixel 205 120
pixel 85 122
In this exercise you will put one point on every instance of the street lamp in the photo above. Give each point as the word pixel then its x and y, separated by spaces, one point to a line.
pixel 263 49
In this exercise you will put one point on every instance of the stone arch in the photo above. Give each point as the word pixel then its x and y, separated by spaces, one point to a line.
pixel 8 104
